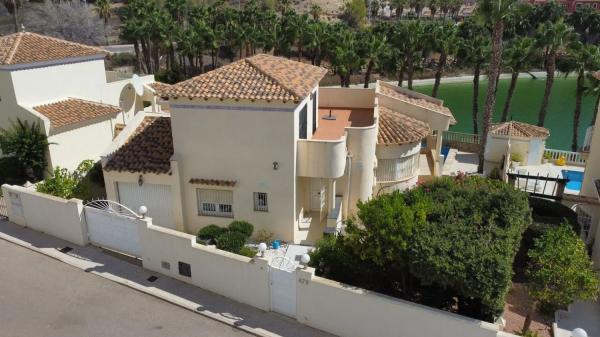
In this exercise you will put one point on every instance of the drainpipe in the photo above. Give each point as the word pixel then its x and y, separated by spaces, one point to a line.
pixel 348 189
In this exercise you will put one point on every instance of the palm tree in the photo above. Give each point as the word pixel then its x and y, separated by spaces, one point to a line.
pixel 434 6
pixel 474 52
pixel 552 37
pixel 315 11
pixel 27 143
pixel 518 56
pixel 593 88
pixel 444 39
pixel 345 59
pixel 581 59
pixel 495 12
pixel 408 37
pixel 103 10
pixel 12 7
pixel 372 48
pixel 399 5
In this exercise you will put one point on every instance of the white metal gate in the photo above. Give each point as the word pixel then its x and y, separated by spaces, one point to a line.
pixel 282 275
pixel 157 198
pixel 113 226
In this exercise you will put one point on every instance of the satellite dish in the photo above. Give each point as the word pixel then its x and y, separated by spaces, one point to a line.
pixel 137 85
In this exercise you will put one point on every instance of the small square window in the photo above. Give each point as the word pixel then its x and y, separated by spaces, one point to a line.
pixel 165 265
pixel 261 203
pixel 185 269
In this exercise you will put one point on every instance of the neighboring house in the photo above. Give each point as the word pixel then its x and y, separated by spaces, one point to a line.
pixel 64 86
pixel 514 137
pixel 258 140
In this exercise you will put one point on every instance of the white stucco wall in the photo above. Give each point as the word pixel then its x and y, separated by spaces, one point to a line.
pixel 397 152
pixel 496 148
pixel 80 142
pixel 239 141
pixel 48 84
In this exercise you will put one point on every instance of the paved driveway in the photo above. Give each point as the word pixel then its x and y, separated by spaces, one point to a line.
pixel 40 296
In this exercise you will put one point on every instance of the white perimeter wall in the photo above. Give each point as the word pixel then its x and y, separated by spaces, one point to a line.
pixel 323 304
pixel 348 311
pixel 55 216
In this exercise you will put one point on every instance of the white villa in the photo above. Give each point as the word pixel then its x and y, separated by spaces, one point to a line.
pixel 259 140
pixel 64 86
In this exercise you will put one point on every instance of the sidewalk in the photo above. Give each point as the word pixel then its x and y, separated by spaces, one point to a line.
pixel 130 273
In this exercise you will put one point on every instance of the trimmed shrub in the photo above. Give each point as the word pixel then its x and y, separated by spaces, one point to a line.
pixel 210 233
pixel 248 251
pixel 231 241
pixel 243 227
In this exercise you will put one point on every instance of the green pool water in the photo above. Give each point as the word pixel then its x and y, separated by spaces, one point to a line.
pixel 525 106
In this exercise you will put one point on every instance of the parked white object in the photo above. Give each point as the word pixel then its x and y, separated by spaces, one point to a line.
pixel 579 332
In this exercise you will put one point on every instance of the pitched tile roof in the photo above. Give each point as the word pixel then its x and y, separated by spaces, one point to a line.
pixel 260 77
pixel 74 110
pixel 159 86
pixel 213 182
pixel 417 101
pixel 518 129
pixel 26 47
pixel 396 128
pixel 148 150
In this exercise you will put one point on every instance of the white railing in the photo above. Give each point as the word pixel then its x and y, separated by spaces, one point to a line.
pixel 572 158
pixel 469 138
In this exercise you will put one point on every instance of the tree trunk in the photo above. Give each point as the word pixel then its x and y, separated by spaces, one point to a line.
pixel 490 100
pixel 138 61
pixel 509 96
pixel 368 73
pixel 475 103
pixel 550 68
pixel 400 77
pixel 577 112
pixel 596 107
pixel 15 16
pixel 528 318
pixel 438 74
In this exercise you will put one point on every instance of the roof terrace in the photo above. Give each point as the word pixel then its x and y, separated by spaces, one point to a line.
pixel 333 121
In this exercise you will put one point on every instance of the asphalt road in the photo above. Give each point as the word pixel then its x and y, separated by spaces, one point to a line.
pixel 40 296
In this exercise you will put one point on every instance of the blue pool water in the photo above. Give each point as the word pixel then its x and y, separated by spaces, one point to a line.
pixel 445 151
pixel 575 179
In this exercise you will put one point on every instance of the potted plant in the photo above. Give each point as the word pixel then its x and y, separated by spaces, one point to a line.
pixel 546 158
pixel 515 160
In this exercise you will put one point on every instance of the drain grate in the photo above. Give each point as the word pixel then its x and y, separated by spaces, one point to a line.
pixel 65 249
pixel 152 278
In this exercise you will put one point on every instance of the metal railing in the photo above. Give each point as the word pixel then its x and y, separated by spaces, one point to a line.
pixel 461 137
pixel 572 158
pixel 539 186
pixel 3 210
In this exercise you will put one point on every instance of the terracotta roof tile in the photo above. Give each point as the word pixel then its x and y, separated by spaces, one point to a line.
pixel 518 129
pixel 159 86
pixel 73 110
pixel 26 47
pixel 148 150
pixel 260 77
pixel 385 90
pixel 396 128
pixel 213 182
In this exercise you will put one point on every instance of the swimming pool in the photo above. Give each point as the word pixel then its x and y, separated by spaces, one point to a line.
pixel 575 179
pixel 445 151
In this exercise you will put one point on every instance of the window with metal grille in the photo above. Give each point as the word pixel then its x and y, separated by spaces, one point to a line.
pixel 215 202
pixel 397 169
pixel 302 120
pixel 261 203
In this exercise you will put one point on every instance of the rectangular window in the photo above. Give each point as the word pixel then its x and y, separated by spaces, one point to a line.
pixel 261 203
pixel 215 202
pixel 303 112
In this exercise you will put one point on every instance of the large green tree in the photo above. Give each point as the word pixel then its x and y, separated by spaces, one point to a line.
pixel 519 55
pixel 560 271
pixel 444 40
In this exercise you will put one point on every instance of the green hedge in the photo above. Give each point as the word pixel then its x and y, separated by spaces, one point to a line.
pixel 243 227
pixel 210 233
pixel 231 241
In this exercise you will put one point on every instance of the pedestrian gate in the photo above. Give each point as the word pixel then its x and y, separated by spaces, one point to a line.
pixel 113 226
pixel 282 275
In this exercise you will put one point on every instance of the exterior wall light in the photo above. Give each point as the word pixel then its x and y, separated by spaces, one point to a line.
pixel 275 166
pixel 262 247
pixel 141 180
pixel 579 332
pixel 143 211
pixel 305 259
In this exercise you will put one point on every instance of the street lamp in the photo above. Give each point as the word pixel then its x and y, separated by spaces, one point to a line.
pixel 305 259
pixel 579 332
pixel 143 211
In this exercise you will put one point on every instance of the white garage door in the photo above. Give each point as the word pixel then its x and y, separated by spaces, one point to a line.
pixel 157 198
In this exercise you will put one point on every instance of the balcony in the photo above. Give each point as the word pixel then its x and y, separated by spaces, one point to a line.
pixel 324 155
